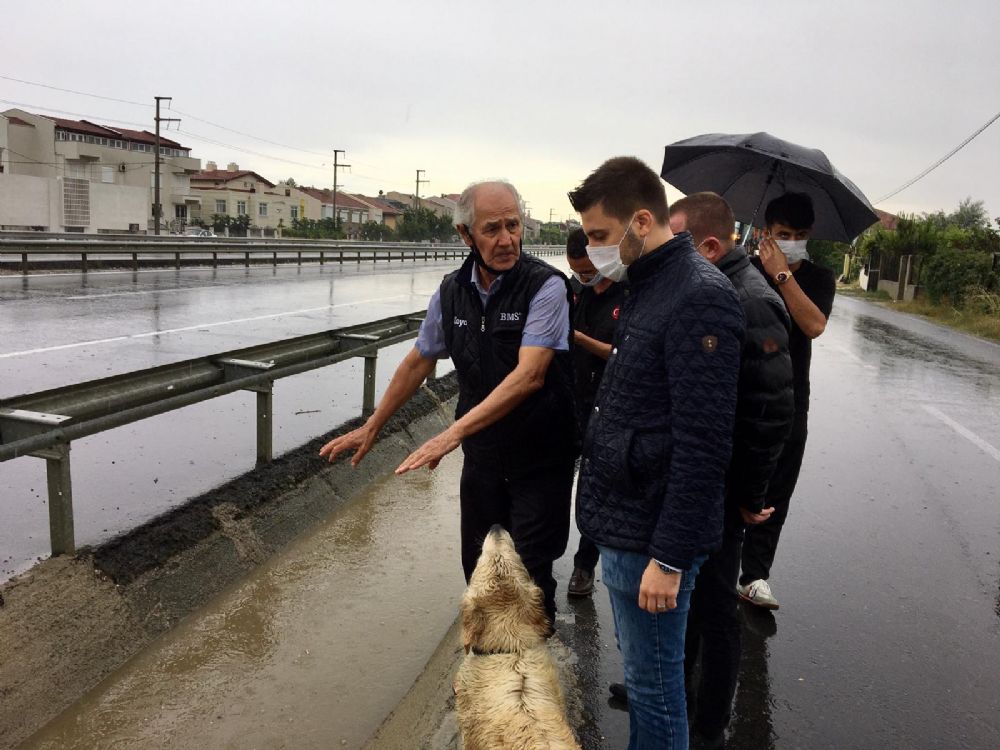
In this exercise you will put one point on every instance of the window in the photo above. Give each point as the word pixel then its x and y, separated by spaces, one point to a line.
pixel 220 207
pixel 295 212
pixel 108 175
pixel 180 212
pixel 241 208
pixel 262 209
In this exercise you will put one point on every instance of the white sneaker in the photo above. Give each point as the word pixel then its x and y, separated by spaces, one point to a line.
pixel 757 592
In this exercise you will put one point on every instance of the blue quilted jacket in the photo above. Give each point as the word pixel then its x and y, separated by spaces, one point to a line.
pixel 660 436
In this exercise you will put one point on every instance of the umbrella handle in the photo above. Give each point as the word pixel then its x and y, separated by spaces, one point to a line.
pixel 767 184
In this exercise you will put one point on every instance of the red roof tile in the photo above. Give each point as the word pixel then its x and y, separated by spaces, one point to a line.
pixel 344 200
pixel 225 175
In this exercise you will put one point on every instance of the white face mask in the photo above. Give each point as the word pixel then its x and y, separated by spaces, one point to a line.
pixel 607 259
pixel 594 280
pixel 794 250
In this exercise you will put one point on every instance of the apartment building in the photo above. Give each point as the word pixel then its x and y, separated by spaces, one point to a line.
pixel 79 176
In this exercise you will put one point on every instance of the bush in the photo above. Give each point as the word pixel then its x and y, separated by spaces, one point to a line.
pixel 949 273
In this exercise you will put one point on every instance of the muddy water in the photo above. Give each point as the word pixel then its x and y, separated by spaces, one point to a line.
pixel 313 651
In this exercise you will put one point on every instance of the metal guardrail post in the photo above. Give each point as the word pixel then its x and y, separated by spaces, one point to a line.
pixel 177 261
pixel 215 260
pixel 83 262
pixel 265 436
pixel 61 534
pixel 246 260
pixel 322 257
pixel 24 262
pixel 368 400
pixel 135 261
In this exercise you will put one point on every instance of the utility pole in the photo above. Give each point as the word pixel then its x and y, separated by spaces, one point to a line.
pixel 336 166
pixel 157 208
pixel 551 211
pixel 419 181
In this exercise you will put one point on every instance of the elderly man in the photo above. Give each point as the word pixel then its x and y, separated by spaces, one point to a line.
pixel 659 439
pixel 503 318
pixel 764 410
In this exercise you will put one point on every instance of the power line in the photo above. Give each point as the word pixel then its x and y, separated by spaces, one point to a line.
pixel 183 114
pixel 75 114
pixel 942 160
pixel 71 91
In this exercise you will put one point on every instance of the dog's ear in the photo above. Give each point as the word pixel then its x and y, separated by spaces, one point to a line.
pixel 473 623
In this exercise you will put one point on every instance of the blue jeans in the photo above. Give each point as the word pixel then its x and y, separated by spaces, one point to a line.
pixel 652 648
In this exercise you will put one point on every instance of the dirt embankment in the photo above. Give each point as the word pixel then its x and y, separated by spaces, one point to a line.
pixel 68 622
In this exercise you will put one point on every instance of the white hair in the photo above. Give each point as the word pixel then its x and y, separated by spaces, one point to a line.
pixel 465 210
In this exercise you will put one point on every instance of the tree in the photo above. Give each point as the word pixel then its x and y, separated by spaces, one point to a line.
pixel 421 224
pixel 290 182
pixel 970 215
pixel 373 230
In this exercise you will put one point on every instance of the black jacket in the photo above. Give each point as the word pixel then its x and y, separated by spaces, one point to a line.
pixel 765 402
pixel 484 345
pixel 659 440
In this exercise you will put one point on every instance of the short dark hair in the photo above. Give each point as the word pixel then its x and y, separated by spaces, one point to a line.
pixel 622 185
pixel 708 215
pixel 792 209
pixel 576 244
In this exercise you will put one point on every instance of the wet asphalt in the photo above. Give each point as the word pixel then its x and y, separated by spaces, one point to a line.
pixel 888 572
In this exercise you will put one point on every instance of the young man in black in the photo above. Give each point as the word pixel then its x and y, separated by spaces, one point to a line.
pixel 807 291
pixel 597 304
pixel 764 412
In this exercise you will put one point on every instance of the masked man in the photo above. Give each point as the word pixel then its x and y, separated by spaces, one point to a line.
pixel 659 439
pixel 807 291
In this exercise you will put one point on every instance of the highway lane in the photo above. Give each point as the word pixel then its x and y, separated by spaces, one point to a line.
pixel 57 329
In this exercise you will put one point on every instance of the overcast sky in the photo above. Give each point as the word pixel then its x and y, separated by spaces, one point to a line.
pixel 539 92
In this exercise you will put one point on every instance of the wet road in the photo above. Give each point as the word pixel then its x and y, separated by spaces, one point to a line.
pixel 889 568
pixel 64 328
pixel 888 572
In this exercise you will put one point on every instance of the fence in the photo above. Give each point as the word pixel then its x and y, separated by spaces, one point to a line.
pixel 24 252
pixel 44 424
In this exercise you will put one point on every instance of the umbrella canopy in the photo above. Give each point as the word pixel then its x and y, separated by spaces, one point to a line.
pixel 750 170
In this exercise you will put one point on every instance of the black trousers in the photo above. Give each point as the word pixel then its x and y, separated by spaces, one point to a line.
pixel 587 555
pixel 713 632
pixel 762 539
pixel 534 508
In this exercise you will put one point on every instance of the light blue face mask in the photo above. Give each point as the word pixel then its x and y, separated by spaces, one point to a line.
pixel 594 280
pixel 794 250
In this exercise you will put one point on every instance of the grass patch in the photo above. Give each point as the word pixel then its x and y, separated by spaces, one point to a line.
pixel 971 321
pixel 979 317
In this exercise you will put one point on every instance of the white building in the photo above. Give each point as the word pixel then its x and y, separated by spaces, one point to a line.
pixel 78 176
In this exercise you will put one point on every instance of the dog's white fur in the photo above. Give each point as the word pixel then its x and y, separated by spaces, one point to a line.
pixel 508 693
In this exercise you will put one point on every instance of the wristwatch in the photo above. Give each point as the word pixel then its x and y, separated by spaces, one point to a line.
pixel 781 277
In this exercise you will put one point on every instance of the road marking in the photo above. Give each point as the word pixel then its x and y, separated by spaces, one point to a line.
pixel 146 291
pixel 964 432
pixel 147 334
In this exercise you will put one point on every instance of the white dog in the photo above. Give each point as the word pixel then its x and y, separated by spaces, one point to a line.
pixel 508 693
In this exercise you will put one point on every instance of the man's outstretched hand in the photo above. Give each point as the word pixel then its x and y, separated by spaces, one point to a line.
pixel 359 440
pixel 430 453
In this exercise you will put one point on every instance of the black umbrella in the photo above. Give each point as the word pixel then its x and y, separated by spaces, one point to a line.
pixel 752 169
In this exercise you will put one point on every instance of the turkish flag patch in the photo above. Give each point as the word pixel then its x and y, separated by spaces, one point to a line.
pixel 616 311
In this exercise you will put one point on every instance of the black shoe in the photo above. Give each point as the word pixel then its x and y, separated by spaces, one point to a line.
pixel 618 691
pixel 701 741
pixel 581 583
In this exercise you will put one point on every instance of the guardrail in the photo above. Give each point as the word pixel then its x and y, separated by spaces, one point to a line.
pixel 44 424
pixel 283 251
